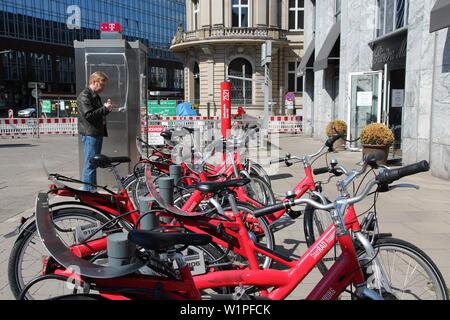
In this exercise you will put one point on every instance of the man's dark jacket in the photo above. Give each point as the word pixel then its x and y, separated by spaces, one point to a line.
pixel 91 114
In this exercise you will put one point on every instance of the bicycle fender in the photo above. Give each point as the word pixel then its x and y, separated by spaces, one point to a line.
pixel 24 226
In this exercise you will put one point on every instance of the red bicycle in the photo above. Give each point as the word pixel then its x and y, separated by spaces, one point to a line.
pixel 348 273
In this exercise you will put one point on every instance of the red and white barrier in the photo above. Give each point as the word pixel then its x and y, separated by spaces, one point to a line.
pixel 69 126
pixel 285 124
pixel 22 127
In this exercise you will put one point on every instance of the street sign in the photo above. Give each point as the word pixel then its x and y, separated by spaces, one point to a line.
pixel 166 108
pixel 154 135
pixel 32 85
pixel 266 53
pixel 35 93
pixel 290 96
pixel 46 106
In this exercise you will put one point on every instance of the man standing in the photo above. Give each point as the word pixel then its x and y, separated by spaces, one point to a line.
pixel 92 124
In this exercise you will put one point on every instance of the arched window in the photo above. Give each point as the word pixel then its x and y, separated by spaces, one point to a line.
pixel 241 72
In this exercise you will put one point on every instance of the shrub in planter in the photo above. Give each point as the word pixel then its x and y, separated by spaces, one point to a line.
pixel 337 127
pixel 376 138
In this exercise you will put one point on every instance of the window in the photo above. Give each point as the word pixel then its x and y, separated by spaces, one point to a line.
pixel 196 14
pixel 241 71
pixel 178 78
pixel 158 77
pixel 392 15
pixel 337 10
pixel 295 84
pixel 296 15
pixel 240 14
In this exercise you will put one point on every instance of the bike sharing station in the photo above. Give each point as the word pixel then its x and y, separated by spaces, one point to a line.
pixel 125 63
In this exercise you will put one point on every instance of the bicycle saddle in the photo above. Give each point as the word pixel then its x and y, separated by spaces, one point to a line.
pixel 212 187
pixel 152 240
pixel 102 161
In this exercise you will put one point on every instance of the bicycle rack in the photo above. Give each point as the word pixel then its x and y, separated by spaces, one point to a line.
pixel 62 254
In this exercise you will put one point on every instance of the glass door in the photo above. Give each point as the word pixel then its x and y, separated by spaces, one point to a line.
pixel 364 104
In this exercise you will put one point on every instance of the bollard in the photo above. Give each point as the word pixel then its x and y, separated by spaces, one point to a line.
pixel 166 186
pixel 175 173
pixel 149 221
pixel 120 250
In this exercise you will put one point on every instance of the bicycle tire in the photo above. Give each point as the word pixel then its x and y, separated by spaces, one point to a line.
pixel 268 234
pixel 313 222
pixel 258 170
pixel 433 287
pixel 259 190
pixel 267 231
pixel 16 280
pixel 137 186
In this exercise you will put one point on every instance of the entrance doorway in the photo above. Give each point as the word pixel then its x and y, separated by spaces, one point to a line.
pixel 364 104
pixel 395 104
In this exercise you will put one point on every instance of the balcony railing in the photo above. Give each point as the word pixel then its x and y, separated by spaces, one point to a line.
pixel 230 33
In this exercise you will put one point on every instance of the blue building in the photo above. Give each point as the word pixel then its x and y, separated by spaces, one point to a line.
pixel 36 42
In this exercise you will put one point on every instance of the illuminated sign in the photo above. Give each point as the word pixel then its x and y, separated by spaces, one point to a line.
pixel 110 27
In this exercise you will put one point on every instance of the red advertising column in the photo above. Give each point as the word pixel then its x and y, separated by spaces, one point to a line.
pixel 225 88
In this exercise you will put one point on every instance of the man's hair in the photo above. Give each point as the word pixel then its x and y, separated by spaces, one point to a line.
pixel 98 76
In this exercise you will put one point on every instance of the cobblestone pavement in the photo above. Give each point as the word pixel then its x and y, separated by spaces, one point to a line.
pixel 420 217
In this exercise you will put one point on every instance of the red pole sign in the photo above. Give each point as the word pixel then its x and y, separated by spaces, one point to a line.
pixel 226 109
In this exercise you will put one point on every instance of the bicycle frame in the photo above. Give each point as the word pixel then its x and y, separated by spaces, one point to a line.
pixel 345 271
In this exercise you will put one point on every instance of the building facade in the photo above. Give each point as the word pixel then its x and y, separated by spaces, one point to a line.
pixel 381 61
pixel 36 42
pixel 223 41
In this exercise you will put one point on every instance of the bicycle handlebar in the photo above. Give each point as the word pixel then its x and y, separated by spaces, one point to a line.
pixel 319 171
pixel 388 176
pixel 385 177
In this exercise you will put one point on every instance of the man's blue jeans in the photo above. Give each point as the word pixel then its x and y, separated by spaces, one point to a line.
pixel 92 145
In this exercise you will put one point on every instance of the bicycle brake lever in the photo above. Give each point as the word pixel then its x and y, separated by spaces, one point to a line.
pixel 288 163
pixel 404 185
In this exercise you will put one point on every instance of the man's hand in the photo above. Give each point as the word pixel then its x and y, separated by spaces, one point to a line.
pixel 108 104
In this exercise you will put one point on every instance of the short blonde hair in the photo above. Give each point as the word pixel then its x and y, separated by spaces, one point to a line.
pixel 98 76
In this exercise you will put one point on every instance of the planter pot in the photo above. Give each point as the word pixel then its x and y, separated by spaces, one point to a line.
pixel 380 152
pixel 339 145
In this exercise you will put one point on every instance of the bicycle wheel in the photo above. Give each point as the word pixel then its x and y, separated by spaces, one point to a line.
pixel 26 258
pixel 315 222
pixel 257 170
pixel 260 231
pixel 137 186
pixel 410 272
pixel 259 190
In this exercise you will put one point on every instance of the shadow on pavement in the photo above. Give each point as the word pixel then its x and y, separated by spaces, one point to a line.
pixel 17 145
pixel 281 176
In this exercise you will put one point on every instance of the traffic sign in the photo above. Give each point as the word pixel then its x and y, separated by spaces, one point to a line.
pixel 32 85
pixel 46 106
pixel 34 93
pixel 266 53
pixel 290 96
